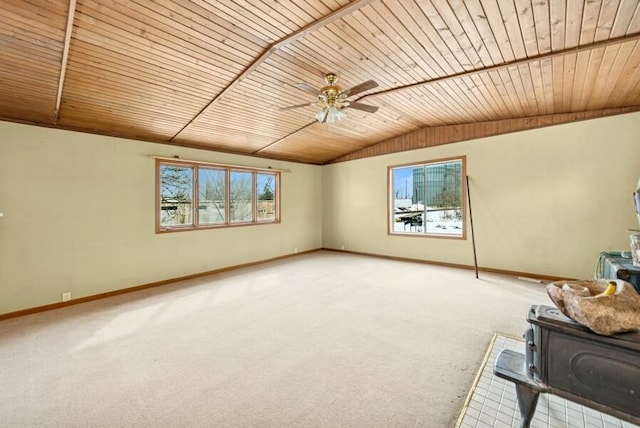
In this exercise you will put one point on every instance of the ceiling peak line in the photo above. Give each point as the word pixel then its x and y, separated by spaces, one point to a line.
pixel 283 138
pixel 302 32
pixel 65 57
pixel 514 63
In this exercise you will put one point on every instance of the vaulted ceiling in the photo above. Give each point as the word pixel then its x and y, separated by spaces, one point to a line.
pixel 215 74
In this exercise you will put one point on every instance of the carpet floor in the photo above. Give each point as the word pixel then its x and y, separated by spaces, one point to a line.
pixel 325 339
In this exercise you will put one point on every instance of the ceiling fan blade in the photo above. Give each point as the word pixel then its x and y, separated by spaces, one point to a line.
pixel 364 86
pixel 364 107
pixel 307 88
pixel 297 106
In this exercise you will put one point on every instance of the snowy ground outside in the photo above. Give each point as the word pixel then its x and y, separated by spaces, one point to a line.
pixel 439 222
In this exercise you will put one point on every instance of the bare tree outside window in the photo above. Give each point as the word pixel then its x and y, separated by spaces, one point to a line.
pixel 198 195
pixel 212 196
pixel 176 195
pixel 265 187
pixel 240 196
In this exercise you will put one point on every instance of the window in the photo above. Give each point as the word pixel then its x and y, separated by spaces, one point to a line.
pixel 427 198
pixel 194 195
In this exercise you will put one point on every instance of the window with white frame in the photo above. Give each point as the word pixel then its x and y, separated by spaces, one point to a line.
pixel 427 198
pixel 193 195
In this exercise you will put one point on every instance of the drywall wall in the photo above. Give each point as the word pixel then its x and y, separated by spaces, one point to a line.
pixel 79 208
pixel 544 201
pixel 79 217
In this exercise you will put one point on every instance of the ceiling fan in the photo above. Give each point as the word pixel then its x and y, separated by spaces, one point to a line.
pixel 333 99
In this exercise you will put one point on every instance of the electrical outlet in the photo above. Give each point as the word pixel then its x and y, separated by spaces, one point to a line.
pixel 342 247
pixel 66 296
pixel 295 250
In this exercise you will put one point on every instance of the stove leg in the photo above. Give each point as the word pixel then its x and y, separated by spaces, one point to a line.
pixel 527 402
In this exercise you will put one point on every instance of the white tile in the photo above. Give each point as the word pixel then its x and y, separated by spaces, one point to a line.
pixel 494 404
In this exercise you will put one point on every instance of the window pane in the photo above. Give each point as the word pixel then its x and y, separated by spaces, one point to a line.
pixel 240 200
pixel 408 199
pixel 176 195
pixel 444 198
pixel 266 189
pixel 428 199
pixel 222 195
pixel 211 193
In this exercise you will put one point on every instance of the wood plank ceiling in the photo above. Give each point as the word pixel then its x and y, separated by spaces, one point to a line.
pixel 214 73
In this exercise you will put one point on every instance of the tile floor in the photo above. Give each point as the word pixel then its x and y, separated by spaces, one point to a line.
pixel 493 403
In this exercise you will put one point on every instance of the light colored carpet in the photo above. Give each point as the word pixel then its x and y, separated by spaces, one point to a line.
pixel 493 402
pixel 324 339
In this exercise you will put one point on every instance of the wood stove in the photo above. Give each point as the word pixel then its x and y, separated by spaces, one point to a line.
pixel 567 359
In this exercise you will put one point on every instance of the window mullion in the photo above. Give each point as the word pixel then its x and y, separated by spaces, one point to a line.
pixel 425 199
pixel 196 197
pixel 179 196
pixel 254 197
pixel 227 196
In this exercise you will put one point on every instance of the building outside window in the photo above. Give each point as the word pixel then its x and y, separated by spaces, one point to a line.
pixel 427 198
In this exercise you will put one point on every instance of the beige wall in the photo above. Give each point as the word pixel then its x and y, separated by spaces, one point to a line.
pixel 79 208
pixel 545 201
pixel 79 217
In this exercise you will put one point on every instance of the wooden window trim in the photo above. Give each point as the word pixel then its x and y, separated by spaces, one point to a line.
pixel 196 165
pixel 463 205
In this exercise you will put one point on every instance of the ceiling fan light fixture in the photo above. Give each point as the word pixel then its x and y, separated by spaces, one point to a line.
pixel 330 114
pixel 333 99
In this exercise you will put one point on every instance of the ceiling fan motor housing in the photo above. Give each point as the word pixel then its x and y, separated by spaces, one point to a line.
pixel 330 94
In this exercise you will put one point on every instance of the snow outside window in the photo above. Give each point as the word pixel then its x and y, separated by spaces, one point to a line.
pixel 427 198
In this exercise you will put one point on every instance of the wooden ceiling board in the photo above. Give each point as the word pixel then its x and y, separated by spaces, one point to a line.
pixel 228 117
pixel 406 37
pixel 290 14
pixel 315 146
pixel 367 30
pixel 255 103
pixel 89 90
pixel 216 73
pixel 591 13
pixel 628 93
pixel 634 26
pixel 461 34
pixel 148 51
pixel 557 18
pixel 488 32
pixel 329 49
pixel 48 17
pixel 321 141
pixel 112 28
pixel 612 83
pixel 218 137
pixel 606 20
pixel 96 62
pixel 102 108
pixel 31 43
pixel 234 11
pixel 227 127
pixel 192 29
pixel 632 98
pixel 228 122
pixel 378 28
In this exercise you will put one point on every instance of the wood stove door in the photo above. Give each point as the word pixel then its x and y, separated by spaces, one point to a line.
pixel 605 374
